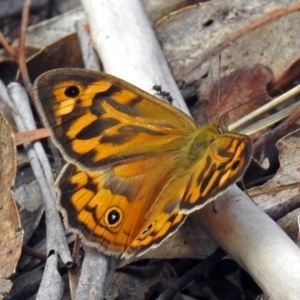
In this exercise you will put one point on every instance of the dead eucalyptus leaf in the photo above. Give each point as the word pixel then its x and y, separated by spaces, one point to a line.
pixel 62 53
pixel 242 31
pixel 11 237
pixel 236 94
pixel 285 184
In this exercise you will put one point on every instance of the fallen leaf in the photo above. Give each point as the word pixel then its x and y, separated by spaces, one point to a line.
pixel 236 94
pixel 11 236
pixel 243 32
pixel 285 184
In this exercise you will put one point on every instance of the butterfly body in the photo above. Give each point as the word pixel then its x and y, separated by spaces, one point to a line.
pixel 136 166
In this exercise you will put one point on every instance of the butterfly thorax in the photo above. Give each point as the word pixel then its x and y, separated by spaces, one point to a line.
pixel 199 141
pixel 214 159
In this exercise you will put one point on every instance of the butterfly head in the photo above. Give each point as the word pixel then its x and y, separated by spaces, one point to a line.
pixel 223 123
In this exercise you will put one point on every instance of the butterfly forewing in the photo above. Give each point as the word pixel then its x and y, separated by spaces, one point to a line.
pixel 98 120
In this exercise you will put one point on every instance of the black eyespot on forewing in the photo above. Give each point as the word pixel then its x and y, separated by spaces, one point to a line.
pixel 72 91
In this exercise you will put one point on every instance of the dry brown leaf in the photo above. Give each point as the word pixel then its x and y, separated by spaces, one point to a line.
pixel 42 40
pixel 230 94
pixel 285 184
pixel 11 237
pixel 61 54
pixel 242 31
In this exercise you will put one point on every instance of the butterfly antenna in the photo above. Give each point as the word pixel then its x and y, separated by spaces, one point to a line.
pixel 223 117
pixel 246 190
pixel 219 76
pixel 223 120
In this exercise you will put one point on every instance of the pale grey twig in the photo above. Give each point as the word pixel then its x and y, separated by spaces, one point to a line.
pixel 51 287
pixel 90 58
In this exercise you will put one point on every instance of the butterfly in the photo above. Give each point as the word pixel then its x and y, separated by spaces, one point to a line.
pixel 136 165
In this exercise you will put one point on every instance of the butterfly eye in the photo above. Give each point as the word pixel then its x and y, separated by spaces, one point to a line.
pixel 113 217
pixel 72 91
pixel 235 165
pixel 222 128
pixel 147 229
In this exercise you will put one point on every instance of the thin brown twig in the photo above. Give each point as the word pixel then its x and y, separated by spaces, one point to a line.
pixel 76 249
pixel 74 273
pixel 6 46
pixel 276 131
pixel 279 211
pixel 30 136
pixel 33 253
pixel 277 189
pixel 22 49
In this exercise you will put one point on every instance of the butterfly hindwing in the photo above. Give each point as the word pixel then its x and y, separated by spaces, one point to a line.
pixel 111 208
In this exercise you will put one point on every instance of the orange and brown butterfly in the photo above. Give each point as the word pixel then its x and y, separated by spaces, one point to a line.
pixel 136 165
